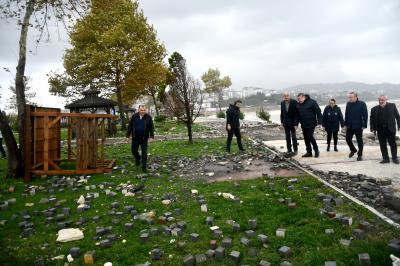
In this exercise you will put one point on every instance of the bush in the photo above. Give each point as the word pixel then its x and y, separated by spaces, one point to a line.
pixel 264 115
pixel 241 116
pixel 221 114
pixel 160 118
pixel 13 119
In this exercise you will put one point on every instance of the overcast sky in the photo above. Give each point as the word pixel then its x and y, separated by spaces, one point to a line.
pixel 269 44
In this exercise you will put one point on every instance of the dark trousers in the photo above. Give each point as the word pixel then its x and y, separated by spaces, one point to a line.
pixel 385 136
pixel 331 133
pixel 291 138
pixel 235 131
pixel 349 139
pixel 308 134
pixel 3 152
pixel 142 142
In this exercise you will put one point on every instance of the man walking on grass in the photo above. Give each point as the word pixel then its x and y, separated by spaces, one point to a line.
pixel 3 152
pixel 233 125
pixel 288 120
pixel 355 122
pixel 309 116
pixel 141 128
pixel 383 121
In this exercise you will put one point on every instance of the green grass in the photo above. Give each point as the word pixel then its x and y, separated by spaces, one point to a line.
pixel 305 225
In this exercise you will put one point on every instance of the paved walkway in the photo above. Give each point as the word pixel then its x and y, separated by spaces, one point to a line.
pixel 339 161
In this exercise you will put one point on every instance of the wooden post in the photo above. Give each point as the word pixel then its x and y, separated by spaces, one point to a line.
pixel 69 135
pixel 46 144
pixel 27 145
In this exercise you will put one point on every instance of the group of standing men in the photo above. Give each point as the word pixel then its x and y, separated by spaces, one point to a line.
pixel 306 112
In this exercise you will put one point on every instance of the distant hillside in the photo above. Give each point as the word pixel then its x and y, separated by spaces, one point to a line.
pixel 347 86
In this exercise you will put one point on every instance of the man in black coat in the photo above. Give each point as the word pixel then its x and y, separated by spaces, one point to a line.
pixel 309 115
pixel 288 120
pixel 141 128
pixel 332 118
pixel 383 121
pixel 233 125
pixel 356 119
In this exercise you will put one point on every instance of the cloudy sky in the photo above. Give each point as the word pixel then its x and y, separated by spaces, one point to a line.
pixel 269 44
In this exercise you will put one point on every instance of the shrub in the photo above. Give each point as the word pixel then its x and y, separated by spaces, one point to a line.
pixel 221 114
pixel 241 116
pixel 264 115
pixel 160 118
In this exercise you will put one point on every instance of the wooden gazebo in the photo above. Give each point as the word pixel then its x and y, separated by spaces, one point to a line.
pixel 43 143
pixel 93 103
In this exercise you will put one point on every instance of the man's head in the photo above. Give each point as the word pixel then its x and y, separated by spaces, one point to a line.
pixel 142 109
pixel 352 96
pixel 286 96
pixel 332 102
pixel 382 100
pixel 301 97
pixel 238 103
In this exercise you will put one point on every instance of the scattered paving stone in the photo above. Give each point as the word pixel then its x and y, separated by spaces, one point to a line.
pixel 200 258
pixel 263 239
pixel 220 253
pixel 105 243
pixel 364 259
pixel 189 260
pixel 347 220
pixel 194 237
pixel 329 231
pixel 285 251
pixel 217 233
pixel 128 226
pixel 39 262
pixel 252 223
pixel 176 232
pixel 227 242
pixel 280 232
pixel 156 254
pixel 144 237
pixel 285 263
pixel 330 263
pixel 250 233
pixel 359 234
pixel 89 257
pixel 75 252
pixel 394 245
pixel 264 263
pixel 235 256
pixel 181 245
pixel 245 241
pixel 210 253
pixel 236 227
pixel 345 242
pixel 210 221
pixel 213 244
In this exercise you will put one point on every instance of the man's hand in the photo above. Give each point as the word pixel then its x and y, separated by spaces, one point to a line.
pixel 228 127
pixel 296 127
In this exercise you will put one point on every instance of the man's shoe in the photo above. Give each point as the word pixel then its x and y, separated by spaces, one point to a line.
pixel 328 148
pixel 396 161
pixel 359 158
pixel 335 148
pixel 316 154
pixel 384 161
pixel 307 155
pixel 351 154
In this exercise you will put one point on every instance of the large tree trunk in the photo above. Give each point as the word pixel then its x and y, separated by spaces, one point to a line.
pixel 20 90
pixel 121 106
pixel 15 169
pixel 153 96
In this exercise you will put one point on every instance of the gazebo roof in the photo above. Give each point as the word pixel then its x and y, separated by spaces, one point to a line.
pixel 91 100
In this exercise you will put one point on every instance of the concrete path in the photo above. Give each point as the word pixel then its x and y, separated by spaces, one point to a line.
pixel 339 161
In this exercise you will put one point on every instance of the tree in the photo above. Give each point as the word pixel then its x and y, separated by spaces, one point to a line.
pixel 114 50
pixel 215 84
pixel 184 99
pixel 29 95
pixel 41 11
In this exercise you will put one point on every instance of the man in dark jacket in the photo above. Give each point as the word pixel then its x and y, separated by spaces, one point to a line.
pixel 383 121
pixel 309 115
pixel 331 119
pixel 141 128
pixel 288 120
pixel 233 125
pixel 3 152
pixel 356 119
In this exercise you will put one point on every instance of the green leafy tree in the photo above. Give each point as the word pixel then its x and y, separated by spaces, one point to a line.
pixel 215 84
pixel 184 98
pixel 30 14
pixel 114 50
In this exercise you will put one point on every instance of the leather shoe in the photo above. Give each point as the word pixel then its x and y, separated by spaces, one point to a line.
pixel 307 155
pixel 359 158
pixel 395 161
pixel 384 161
pixel 351 154
pixel 316 155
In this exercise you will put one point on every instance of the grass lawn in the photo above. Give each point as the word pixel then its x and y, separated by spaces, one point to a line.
pixel 305 225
